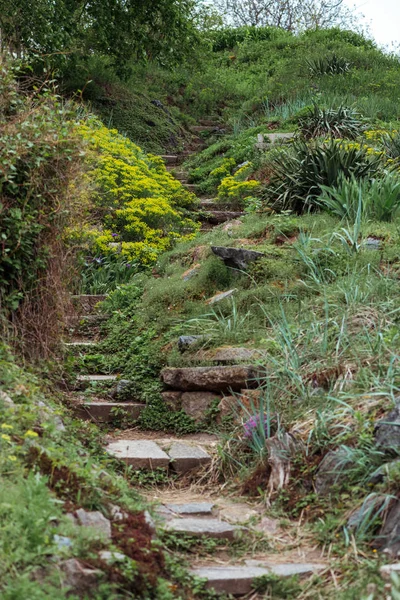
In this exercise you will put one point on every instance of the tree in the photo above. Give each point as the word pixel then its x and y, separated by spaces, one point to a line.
pixel 122 29
pixel 292 15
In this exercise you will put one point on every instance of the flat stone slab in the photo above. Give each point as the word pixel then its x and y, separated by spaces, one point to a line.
pixel 186 457
pixel 194 508
pixel 96 378
pixel 170 159
pixel 217 379
pixel 140 454
pixel 104 412
pixel 238 579
pixel 202 527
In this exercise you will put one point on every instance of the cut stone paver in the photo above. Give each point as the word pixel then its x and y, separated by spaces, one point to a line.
pixel 186 457
pixel 238 579
pixel 139 453
pixel 170 159
pixel 106 412
pixel 202 527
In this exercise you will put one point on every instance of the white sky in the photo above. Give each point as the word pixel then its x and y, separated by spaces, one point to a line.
pixel 383 19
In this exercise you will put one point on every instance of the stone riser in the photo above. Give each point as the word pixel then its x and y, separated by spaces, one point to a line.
pixel 104 412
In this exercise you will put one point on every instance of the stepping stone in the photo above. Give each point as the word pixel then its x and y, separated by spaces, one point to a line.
pixel 140 454
pixel 201 128
pixel 203 527
pixel 104 412
pixel 87 302
pixel 95 520
pixel 101 378
pixel 218 379
pixel 186 457
pixel 194 508
pixel 238 579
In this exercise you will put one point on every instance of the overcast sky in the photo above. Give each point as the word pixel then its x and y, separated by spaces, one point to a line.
pixel 383 17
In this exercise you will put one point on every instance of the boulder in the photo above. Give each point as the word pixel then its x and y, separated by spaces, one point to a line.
pixel 216 379
pixel 387 431
pixel 388 538
pixel 172 399
pixel 237 258
pixel 78 578
pixel 186 341
pixel 332 470
pixel 96 521
pixel 195 404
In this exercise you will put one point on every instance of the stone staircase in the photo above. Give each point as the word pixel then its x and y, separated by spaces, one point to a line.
pixel 210 212
pixel 99 397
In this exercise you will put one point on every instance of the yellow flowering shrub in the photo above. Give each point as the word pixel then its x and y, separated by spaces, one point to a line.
pixel 236 188
pixel 137 207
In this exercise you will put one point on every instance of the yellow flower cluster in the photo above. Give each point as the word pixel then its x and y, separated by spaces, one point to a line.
pixel 139 206
pixel 236 187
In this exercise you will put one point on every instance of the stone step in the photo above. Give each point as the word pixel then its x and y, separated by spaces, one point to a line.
pixel 86 303
pixel 210 205
pixel 229 354
pixel 140 454
pixel 170 159
pixel 80 344
pixel 203 128
pixel 203 527
pixel 214 379
pixel 191 187
pixel 99 378
pixel 216 217
pixel 105 412
pixel 181 457
pixel 238 579
pixel 186 457
pixel 183 510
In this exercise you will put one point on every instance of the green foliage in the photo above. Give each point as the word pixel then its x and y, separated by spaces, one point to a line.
pixel 341 122
pixel 123 30
pixel 376 199
pixel 299 172
pixel 278 587
pixel 101 275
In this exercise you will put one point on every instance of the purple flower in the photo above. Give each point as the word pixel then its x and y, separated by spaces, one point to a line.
pixel 114 235
pixel 252 426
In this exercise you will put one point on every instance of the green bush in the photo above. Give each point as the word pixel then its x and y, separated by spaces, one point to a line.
pixel 299 172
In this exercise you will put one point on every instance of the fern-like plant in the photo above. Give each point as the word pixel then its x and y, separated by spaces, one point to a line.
pixel 331 64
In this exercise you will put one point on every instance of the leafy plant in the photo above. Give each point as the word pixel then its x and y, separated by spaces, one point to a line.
pixel 351 199
pixel 341 122
pixel 299 173
pixel 328 65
